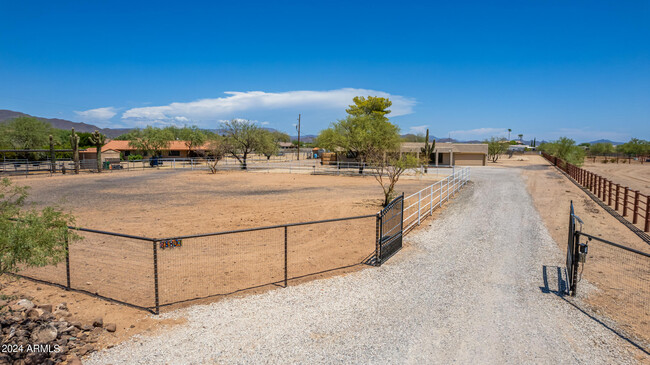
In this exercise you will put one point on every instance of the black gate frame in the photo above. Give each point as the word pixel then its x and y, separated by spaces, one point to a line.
pixel 572 253
pixel 389 243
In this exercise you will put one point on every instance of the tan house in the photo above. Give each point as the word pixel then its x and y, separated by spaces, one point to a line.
pixel 113 150
pixel 452 154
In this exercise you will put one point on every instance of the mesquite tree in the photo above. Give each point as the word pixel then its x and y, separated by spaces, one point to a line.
pixel 98 140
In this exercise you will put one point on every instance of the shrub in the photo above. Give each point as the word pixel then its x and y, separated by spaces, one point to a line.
pixel 135 157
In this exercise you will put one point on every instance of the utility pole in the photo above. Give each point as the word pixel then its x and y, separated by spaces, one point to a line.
pixel 298 128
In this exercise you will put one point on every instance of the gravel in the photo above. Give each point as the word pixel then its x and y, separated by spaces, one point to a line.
pixel 468 288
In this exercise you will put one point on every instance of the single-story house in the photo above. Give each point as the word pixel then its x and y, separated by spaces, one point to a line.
pixel 452 154
pixel 113 150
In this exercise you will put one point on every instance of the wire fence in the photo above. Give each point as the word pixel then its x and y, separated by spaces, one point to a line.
pixel 155 273
pixel 621 275
pixel 277 164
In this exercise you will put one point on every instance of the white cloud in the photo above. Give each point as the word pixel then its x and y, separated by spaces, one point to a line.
pixel 265 123
pixel 418 129
pixel 238 103
pixel 479 133
pixel 99 114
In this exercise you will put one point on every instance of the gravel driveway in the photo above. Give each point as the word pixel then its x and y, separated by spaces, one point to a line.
pixel 469 288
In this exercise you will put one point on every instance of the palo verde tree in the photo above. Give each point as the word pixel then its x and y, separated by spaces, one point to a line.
pixel 30 237
pixel 243 137
pixel 151 139
pixel 98 140
pixel 365 130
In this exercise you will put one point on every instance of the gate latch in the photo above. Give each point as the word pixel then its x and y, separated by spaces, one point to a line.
pixel 582 252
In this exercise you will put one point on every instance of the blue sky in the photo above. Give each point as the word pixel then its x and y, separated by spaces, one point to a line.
pixel 467 69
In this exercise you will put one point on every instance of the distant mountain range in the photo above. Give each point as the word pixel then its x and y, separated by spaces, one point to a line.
pixel 6 115
pixel 606 141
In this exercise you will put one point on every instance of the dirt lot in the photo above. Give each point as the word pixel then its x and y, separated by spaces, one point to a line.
pixel 636 176
pixel 617 284
pixel 169 203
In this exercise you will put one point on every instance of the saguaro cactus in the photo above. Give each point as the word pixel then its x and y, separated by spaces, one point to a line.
pixel 74 143
pixel 98 140
pixel 427 150
pixel 52 155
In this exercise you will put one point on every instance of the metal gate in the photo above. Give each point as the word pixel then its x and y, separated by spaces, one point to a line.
pixel 572 253
pixel 390 226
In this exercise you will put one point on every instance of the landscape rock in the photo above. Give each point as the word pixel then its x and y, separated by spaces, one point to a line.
pixel 34 313
pixel 73 360
pixel 26 304
pixel 46 308
pixel 44 334
pixel 110 327
pixel 61 313
pixel 98 322
pixel 86 349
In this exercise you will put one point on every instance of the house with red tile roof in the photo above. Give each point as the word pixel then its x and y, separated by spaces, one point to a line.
pixel 114 150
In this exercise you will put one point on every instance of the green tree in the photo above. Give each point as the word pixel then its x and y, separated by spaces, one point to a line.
pixel 373 106
pixel 365 131
pixel 635 148
pixel 217 150
pixel 30 237
pixel 496 147
pixel 388 168
pixel 601 149
pixel 151 139
pixel 26 133
pixel 565 149
pixel 193 137
pixel 280 136
pixel 243 137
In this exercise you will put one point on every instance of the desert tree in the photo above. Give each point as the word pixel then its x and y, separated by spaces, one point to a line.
pixel 269 143
pixel 496 147
pixel 388 167
pixel 366 129
pixel 193 137
pixel 25 133
pixel 509 130
pixel 242 138
pixel 521 137
pixel 30 237
pixel 98 140
pixel 150 139
pixel 217 150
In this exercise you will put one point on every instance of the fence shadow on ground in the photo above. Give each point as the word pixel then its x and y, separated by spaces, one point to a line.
pixel 556 284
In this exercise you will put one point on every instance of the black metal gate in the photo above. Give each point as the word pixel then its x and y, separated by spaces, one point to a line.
pixel 390 226
pixel 572 253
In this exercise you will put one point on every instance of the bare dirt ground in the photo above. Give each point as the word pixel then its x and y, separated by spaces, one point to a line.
pixel 636 176
pixel 616 285
pixel 169 203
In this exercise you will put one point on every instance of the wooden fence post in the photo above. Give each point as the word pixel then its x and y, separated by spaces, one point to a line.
pixel 636 207
pixel 609 194
pixel 625 201
pixel 618 188
pixel 647 214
